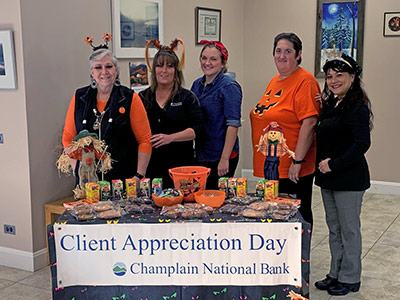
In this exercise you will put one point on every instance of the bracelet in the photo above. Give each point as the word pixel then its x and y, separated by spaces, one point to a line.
pixel 138 175
pixel 297 162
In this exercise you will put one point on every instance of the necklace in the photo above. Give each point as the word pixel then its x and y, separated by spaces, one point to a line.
pixel 99 118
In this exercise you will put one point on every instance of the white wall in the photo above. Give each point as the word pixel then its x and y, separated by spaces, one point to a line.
pixel 15 196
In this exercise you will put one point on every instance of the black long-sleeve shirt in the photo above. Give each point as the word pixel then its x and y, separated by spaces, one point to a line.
pixel 343 135
pixel 182 111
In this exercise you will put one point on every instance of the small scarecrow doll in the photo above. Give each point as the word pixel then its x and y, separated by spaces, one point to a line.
pixel 272 144
pixel 85 148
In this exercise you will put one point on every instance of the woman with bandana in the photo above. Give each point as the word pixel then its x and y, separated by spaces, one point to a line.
pixel 221 99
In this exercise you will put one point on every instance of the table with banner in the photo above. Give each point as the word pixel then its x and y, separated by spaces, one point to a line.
pixel 148 256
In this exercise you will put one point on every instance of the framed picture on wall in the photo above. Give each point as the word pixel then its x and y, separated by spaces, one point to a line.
pixel 208 24
pixel 7 61
pixel 391 24
pixel 138 75
pixel 134 22
pixel 340 28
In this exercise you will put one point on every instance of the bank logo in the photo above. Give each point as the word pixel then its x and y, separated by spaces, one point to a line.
pixel 119 269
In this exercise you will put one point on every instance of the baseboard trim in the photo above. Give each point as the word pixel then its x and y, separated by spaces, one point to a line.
pixel 378 187
pixel 23 260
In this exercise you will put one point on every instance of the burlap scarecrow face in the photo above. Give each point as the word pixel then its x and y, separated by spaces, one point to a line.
pixel 273 135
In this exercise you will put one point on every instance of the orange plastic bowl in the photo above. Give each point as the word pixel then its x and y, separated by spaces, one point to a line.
pixel 167 201
pixel 213 198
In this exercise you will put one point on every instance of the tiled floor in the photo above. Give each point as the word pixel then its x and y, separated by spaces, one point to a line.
pixel 381 256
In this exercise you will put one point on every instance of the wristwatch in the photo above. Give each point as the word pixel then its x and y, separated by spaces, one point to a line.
pixel 297 162
pixel 138 175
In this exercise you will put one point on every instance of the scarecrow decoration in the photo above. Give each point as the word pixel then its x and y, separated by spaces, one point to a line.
pixel 272 145
pixel 85 148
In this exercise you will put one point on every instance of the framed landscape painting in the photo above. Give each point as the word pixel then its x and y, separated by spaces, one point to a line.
pixel 340 27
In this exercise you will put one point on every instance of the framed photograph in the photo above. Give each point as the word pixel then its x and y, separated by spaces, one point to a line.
pixel 391 24
pixel 208 24
pixel 7 61
pixel 340 27
pixel 134 22
pixel 138 75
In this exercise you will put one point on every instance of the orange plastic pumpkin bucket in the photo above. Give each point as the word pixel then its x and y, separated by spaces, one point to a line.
pixel 189 180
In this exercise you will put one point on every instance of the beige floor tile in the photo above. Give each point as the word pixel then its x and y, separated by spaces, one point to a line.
pixel 320 258
pixel 317 239
pixel 4 283
pixel 40 279
pixel 19 291
pixel 395 226
pixel 378 268
pixel 390 238
pixel 13 274
pixel 382 252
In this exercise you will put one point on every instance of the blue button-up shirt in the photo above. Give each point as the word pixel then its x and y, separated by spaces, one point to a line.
pixel 221 101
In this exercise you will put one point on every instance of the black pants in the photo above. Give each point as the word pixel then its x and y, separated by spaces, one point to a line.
pixel 212 180
pixel 303 190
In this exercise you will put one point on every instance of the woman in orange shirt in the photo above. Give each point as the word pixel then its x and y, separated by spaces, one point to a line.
pixel 289 101
pixel 115 113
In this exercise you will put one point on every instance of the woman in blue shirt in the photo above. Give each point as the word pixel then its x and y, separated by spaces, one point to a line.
pixel 221 99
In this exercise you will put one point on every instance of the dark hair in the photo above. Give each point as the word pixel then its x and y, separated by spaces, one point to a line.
pixel 169 57
pixel 291 37
pixel 355 93
pixel 223 61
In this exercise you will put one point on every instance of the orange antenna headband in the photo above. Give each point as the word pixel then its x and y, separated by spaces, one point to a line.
pixel 172 47
pixel 106 38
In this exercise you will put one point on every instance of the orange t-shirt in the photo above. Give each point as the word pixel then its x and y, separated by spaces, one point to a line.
pixel 287 102
pixel 139 123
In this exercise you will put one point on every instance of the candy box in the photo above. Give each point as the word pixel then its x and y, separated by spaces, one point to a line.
pixel 118 189
pixel 223 184
pixel 241 187
pixel 145 187
pixel 269 190
pixel 260 187
pixel 156 185
pixel 130 185
pixel 276 187
pixel 232 182
pixel 92 191
pixel 105 190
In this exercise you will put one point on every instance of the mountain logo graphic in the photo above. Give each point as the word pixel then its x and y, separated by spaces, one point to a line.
pixel 119 269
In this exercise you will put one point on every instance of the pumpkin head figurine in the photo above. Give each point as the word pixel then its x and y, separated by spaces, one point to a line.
pixel 272 145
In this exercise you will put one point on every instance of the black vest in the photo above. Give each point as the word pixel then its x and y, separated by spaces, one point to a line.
pixel 115 128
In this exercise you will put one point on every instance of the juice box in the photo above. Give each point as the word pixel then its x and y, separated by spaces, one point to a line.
pixel 145 187
pixel 92 191
pixel 232 181
pixel 156 185
pixel 130 185
pixel 118 188
pixel 241 187
pixel 105 190
pixel 276 187
pixel 223 184
pixel 269 188
pixel 260 187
